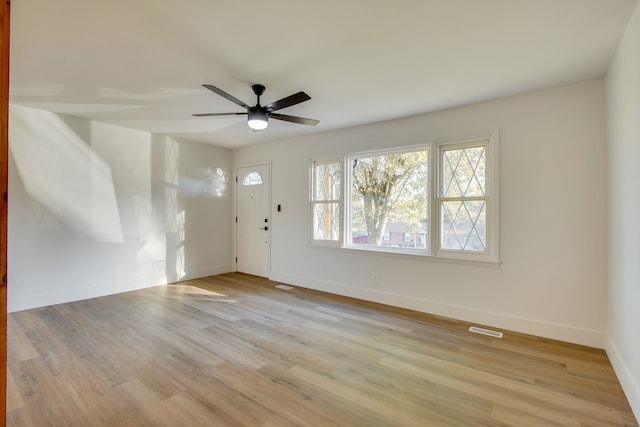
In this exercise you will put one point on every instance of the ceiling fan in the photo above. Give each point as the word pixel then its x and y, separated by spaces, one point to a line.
pixel 258 115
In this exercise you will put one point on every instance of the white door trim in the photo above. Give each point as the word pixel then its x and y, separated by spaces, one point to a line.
pixel 235 211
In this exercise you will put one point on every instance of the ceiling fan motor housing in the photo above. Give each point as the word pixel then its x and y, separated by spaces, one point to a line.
pixel 258 89
pixel 257 119
pixel 257 113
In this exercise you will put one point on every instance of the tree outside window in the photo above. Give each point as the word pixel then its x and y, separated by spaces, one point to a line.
pixel 389 196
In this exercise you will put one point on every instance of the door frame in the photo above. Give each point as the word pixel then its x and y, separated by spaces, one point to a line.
pixel 4 173
pixel 234 218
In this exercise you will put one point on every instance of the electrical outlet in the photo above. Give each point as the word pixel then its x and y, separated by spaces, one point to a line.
pixel 375 278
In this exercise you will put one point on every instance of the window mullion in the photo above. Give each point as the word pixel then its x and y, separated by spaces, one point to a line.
pixel 462 199
pixel 433 210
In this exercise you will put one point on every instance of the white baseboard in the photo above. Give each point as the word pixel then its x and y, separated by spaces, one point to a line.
pixel 69 295
pixel 76 294
pixel 507 322
pixel 629 384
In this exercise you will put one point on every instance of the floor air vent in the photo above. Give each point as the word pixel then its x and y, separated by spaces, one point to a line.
pixel 483 331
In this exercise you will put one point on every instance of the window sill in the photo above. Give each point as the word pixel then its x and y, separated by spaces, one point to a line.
pixel 405 254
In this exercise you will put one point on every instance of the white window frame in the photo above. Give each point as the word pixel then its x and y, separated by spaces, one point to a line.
pixel 313 202
pixel 491 254
pixel 434 228
pixel 348 197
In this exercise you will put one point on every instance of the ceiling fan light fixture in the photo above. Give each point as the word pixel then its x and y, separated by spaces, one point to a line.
pixel 258 119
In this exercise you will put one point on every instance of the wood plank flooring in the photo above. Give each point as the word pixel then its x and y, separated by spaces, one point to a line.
pixel 233 350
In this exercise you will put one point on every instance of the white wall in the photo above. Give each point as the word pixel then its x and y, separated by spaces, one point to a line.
pixel 623 124
pixel 96 209
pixel 553 277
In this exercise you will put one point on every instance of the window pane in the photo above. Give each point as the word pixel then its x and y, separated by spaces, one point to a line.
pixel 327 181
pixel 325 221
pixel 252 178
pixel 389 199
pixel 464 172
pixel 464 225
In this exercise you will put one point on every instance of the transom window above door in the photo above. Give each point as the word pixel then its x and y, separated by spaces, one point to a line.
pixel 252 178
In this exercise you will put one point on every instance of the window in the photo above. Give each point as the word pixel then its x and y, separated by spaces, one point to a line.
pixel 463 198
pixel 326 181
pixel 252 178
pixel 389 195
pixel 468 203
pixel 437 200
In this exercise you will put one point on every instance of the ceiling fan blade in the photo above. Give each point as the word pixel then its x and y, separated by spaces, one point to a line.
pixel 290 100
pixel 218 114
pixel 294 119
pixel 226 95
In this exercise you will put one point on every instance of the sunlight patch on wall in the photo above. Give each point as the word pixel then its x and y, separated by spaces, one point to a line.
pixel 175 215
pixel 154 246
pixel 63 174
pixel 180 264
pixel 206 182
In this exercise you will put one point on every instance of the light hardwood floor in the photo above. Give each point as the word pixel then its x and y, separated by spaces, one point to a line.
pixel 234 350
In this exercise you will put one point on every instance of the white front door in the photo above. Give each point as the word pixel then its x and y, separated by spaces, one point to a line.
pixel 253 220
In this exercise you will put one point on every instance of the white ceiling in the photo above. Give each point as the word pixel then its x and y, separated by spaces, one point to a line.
pixel 141 63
